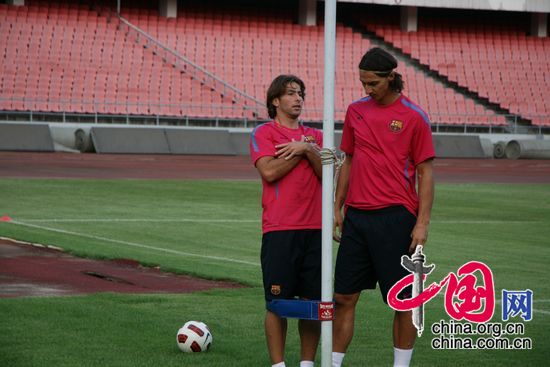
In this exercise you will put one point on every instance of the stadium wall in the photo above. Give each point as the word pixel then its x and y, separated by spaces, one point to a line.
pixel 158 139
pixel 26 137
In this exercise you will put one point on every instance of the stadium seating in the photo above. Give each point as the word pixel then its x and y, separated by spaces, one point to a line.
pixel 250 47
pixel 499 63
pixel 65 57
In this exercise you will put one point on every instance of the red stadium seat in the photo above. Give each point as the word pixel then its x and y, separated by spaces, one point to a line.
pixel 482 52
pixel 85 56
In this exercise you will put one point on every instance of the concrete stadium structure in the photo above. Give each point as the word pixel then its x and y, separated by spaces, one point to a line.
pixel 136 139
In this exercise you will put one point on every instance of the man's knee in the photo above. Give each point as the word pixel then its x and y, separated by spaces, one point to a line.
pixel 346 300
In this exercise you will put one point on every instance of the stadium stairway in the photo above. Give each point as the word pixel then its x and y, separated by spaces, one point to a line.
pixel 449 104
pixel 497 66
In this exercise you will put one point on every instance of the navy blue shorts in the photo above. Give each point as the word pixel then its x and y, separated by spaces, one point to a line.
pixel 291 264
pixel 371 248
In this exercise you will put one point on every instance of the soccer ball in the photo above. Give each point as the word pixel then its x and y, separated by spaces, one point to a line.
pixel 194 336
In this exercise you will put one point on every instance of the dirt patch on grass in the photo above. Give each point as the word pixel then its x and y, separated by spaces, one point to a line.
pixel 33 270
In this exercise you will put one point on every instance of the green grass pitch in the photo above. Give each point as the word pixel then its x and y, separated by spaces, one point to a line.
pixel 211 229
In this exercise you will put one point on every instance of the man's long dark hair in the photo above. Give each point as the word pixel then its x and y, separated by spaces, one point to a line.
pixel 382 63
pixel 278 88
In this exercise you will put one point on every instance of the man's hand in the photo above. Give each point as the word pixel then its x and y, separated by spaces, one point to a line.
pixel 292 149
pixel 338 225
pixel 419 236
pixel 340 198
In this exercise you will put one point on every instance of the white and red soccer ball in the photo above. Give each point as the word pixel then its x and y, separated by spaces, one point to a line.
pixel 194 336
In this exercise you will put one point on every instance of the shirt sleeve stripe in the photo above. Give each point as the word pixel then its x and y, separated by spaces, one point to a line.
pixel 417 109
pixel 364 99
pixel 253 137
pixel 406 173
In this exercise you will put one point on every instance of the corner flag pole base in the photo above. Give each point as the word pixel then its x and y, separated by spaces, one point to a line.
pixel 302 309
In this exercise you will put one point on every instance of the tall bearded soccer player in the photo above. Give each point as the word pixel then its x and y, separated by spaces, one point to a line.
pixel 286 154
pixel 388 142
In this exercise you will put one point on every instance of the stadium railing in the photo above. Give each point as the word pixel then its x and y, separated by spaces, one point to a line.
pixel 195 71
pixel 437 119
pixel 94 112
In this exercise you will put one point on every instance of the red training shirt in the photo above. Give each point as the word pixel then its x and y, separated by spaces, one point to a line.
pixel 294 201
pixel 386 142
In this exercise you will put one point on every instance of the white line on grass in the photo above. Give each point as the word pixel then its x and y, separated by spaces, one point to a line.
pixel 176 220
pixel 222 220
pixel 133 244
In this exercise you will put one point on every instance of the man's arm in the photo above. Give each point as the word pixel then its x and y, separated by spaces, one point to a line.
pixel 301 148
pixel 340 197
pixel 426 191
pixel 313 155
pixel 272 169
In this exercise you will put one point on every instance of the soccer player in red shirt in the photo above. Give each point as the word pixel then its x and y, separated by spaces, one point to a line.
pixel 388 143
pixel 286 154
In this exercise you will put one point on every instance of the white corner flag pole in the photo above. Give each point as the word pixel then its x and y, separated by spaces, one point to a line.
pixel 328 174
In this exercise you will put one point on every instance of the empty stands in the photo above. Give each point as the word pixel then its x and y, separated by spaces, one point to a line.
pixel 249 47
pixel 66 57
pixel 69 58
pixel 495 59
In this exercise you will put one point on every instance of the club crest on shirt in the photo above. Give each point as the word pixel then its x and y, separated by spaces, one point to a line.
pixel 275 289
pixel 310 139
pixel 396 126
